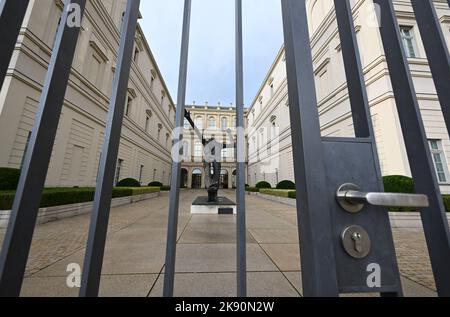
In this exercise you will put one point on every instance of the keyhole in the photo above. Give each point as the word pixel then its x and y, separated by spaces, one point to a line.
pixel 358 243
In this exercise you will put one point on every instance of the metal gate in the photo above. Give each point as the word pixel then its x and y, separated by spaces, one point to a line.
pixel 343 221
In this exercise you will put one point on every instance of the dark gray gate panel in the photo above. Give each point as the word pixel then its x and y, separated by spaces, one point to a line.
pixel 12 13
pixel 352 161
pixel 172 230
pixel 16 247
pixel 240 158
pixel 313 207
pixel 434 218
pixel 363 128
pixel 437 52
pixel 102 202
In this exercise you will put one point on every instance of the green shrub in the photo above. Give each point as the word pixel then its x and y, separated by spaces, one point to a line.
pixel 286 185
pixel 165 188
pixel 143 190
pixel 293 194
pixel 399 184
pixel 265 185
pixel 9 178
pixel 156 184
pixel 119 192
pixel 52 197
pixel 447 202
pixel 6 200
pixel 252 189
pixel 276 192
pixel 68 196
pixel 128 182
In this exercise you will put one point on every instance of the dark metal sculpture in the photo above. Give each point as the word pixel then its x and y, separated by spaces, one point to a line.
pixel 212 160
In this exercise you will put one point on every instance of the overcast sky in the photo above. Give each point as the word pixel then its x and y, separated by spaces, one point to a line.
pixel 211 58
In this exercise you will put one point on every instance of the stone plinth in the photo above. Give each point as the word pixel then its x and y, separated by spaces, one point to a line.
pixel 223 206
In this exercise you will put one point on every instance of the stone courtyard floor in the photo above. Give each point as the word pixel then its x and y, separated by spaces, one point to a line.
pixel 135 251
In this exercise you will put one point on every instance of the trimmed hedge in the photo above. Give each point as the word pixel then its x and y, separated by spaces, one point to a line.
pixel 252 189
pixel 265 185
pixel 9 178
pixel 52 197
pixel 156 184
pixel 129 182
pixel 165 188
pixel 276 192
pixel 447 202
pixel 286 185
pixel 398 184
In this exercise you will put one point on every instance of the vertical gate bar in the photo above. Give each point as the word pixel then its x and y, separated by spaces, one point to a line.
pixel 93 260
pixel 313 210
pixel 172 230
pixel 12 13
pixel 437 52
pixel 353 69
pixel 240 148
pixel 357 87
pixel 19 235
pixel 434 218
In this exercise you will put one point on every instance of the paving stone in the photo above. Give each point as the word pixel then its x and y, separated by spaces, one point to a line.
pixel 135 252
pixel 110 286
pixel 285 256
pixel 260 284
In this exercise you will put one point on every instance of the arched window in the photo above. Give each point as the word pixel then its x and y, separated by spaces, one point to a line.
pixel 212 123
pixel 199 123
pixel 224 123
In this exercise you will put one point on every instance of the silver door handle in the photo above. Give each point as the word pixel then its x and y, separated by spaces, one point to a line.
pixel 353 200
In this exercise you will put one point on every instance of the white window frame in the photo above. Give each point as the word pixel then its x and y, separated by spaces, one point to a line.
pixel 439 151
pixel 411 37
pixel 198 149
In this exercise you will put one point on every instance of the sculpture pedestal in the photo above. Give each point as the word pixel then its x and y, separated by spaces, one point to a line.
pixel 223 206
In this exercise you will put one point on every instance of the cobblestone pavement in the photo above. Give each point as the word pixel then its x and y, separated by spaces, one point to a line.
pixel 134 257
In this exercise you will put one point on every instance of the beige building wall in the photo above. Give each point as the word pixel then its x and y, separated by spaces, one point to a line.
pixel 146 137
pixel 212 121
pixel 271 103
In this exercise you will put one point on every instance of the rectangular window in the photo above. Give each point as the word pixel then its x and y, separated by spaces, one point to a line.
pixel 439 160
pixel 76 163
pixel 141 173
pixel 199 123
pixel 198 152
pixel 95 69
pixel 147 123
pixel 118 170
pixel 408 41
pixel 136 55
pixel 224 124
pixel 128 106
